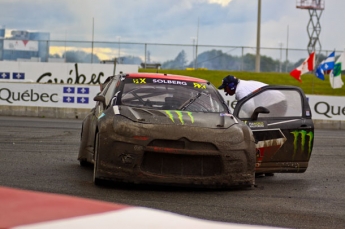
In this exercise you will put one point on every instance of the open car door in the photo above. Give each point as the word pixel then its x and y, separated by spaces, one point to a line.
pixel 280 119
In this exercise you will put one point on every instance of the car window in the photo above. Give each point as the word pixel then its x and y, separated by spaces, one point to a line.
pixel 280 103
pixel 110 90
pixel 171 95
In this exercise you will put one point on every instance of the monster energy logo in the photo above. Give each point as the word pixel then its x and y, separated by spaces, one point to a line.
pixel 303 135
pixel 179 115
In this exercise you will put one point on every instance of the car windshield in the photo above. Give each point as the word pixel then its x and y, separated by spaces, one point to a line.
pixel 171 95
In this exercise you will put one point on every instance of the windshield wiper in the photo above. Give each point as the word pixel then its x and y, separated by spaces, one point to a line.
pixel 189 102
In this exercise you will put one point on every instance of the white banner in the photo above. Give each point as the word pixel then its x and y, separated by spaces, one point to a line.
pixel 327 107
pixel 69 73
pixel 322 107
pixel 21 45
pixel 48 95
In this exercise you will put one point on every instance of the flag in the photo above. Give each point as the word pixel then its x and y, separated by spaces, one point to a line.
pixel 307 65
pixel 4 75
pixel 335 74
pixel 68 90
pixel 18 75
pixel 68 99
pixel 82 100
pixel 325 66
pixel 83 90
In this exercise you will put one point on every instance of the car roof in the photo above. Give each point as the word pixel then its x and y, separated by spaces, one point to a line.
pixel 166 76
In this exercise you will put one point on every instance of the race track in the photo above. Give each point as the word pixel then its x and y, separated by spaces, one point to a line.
pixel 41 154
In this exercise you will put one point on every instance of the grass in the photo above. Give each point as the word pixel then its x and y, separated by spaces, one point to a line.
pixel 310 83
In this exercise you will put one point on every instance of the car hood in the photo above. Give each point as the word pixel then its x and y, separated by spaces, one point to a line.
pixel 176 117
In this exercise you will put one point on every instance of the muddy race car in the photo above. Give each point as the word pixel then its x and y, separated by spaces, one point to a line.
pixel 176 130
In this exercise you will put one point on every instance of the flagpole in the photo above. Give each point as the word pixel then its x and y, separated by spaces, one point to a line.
pixel 332 71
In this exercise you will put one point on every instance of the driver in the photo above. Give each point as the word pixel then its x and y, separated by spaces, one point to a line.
pixel 273 100
pixel 241 88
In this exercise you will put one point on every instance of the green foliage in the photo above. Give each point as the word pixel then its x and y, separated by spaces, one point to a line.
pixel 310 83
pixel 216 60
pixel 178 63
pixel 130 60
pixel 80 57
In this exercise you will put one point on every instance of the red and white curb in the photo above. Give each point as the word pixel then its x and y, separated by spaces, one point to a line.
pixel 20 209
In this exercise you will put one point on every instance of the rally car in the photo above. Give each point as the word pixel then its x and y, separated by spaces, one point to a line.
pixel 166 129
pixel 177 130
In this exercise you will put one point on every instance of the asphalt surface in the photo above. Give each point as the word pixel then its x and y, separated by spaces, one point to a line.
pixel 41 154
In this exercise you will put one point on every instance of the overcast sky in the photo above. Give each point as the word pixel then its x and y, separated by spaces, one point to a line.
pixel 221 22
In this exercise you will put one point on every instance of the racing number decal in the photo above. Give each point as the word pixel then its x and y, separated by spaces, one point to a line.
pixel 180 115
pixel 139 81
pixel 200 86
pixel 303 134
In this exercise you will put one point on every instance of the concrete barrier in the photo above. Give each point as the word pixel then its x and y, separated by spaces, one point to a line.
pixel 44 112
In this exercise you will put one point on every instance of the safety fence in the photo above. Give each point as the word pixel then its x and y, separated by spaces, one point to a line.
pixel 280 59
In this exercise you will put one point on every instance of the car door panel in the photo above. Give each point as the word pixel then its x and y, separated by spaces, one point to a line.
pixel 284 136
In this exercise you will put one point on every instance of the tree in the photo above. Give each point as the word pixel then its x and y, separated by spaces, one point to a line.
pixel 130 60
pixel 55 55
pixel 80 57
pixel 178 63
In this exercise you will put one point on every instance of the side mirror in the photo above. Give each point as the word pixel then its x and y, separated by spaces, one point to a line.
pixel 257 111
pixel 100 98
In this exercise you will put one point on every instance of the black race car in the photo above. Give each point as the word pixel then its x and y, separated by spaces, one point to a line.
pixel 177 130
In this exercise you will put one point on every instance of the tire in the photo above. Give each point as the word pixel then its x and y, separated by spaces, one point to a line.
pixel 84 163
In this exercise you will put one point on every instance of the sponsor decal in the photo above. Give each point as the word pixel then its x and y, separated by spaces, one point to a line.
pixel 4 75
pixel 18 76
pixel 272 141
pixel 303 134
pixel 78 78
pixel 20 45
pixel 226 114
pixel 255 124
pixel 83 90
pixel 179 115
pixel 200 86
pixel 82 100
pixel 169 82
pixel 26 96
pixel 101 115
pixel 68 99
pixel 139 81
pixel 324 108
pixel 69 90
pixel 69 95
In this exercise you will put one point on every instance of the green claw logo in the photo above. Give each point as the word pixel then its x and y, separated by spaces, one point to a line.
pixel 303 134
pixel 180 115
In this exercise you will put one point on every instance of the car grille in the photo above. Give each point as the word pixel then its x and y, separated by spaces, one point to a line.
pixel 181 164
pixel 183 143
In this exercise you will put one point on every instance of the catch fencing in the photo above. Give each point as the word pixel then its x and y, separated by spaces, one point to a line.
pixel 97 51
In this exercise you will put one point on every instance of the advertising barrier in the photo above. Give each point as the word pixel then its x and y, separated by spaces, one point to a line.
pixel 78 73
pixel 329 108
pixel 56 90
pixel 31 89
pixel 48 95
